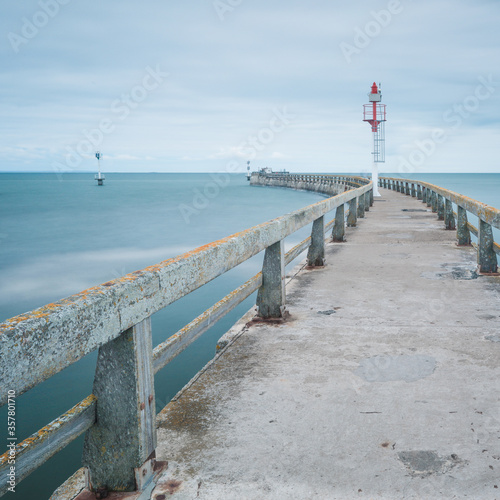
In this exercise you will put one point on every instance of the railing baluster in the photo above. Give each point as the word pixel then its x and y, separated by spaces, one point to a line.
pixel 351 217
pixel 487 258
pixel 419 192
pixel 316 252
pixel 338 231
pixel 434 202
pixel 271 295
pixel 449 218
pixel 463 233
pixel 440 207
pixel 361 206
pixel 124 436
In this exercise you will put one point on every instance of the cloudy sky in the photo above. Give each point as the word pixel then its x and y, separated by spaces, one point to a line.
pixel 205 85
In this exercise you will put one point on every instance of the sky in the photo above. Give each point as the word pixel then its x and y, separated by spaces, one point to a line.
pixel 207 85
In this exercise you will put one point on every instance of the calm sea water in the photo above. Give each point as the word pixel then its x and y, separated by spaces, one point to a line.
pixel 59 236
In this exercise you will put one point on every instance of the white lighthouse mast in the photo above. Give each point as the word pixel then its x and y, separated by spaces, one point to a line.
pixel 375 114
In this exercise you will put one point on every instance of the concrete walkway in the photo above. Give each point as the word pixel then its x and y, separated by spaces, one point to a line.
pixel 384 383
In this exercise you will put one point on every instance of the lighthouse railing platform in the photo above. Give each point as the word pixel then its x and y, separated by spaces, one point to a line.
pixel 115 318
pixel 441 201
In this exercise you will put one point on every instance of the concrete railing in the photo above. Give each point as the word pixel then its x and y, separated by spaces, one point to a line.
pixel 326 184
pixel 115 318
pixel 441 201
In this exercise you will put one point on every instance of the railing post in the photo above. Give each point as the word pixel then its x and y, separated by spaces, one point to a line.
pixel 271 295
pixel 449 218
pixel 338 231
pixel 371 197
pixel 351 216
pixel 486 256
pixel 367 201
pixel 407 188
pixel 434 202
pixel 124 435
pixel 463 233
pixel 428 197
pixel 361 206
pixel 316 252
pixel 413 191
pixel 419 192
pixel 440 207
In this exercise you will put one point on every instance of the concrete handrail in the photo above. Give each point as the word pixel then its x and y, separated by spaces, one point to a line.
pixel 441 200
pixel 486 213
pixel 115 317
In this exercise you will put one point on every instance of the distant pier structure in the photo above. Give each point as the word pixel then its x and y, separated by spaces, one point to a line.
pixel 99 177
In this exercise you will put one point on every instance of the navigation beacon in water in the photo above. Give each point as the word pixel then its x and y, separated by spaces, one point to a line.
pixel 99 177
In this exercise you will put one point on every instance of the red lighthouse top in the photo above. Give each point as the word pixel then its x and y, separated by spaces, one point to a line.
pixel 375 95
pixel 374 113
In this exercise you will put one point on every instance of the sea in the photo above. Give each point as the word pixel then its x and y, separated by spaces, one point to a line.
pixel 61 234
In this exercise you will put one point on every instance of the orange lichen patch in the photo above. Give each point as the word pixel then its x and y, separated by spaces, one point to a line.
pixel 46 310
pixel 47 431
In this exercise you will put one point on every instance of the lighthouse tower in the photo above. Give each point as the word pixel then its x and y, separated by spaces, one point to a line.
pixel 375 114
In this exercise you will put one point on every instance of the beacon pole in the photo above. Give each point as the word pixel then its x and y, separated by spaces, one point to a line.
pixel 375 114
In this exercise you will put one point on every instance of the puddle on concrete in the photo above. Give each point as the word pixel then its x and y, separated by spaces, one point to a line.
pixel 493 338
pixel 424 462
pixel 408 368
pixel 414 210
pixel 486 316
pixel 453 271
pixel 327 312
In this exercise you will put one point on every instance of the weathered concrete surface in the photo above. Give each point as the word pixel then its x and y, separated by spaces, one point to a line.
pixel 384 383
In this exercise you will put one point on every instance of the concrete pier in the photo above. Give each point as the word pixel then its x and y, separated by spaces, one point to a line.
pixel 382 383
